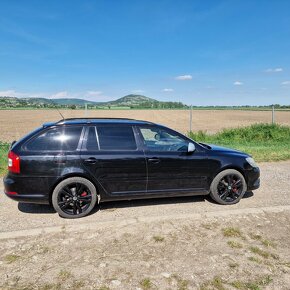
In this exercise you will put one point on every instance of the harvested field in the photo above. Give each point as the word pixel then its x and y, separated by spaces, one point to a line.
pixel 16 123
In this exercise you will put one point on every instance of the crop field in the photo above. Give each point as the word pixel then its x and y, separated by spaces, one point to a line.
pixel 16 123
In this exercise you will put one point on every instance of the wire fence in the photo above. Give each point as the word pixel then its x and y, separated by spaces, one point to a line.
pixel 183 120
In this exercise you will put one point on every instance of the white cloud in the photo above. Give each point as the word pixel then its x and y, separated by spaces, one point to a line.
pixel 88 95
pixel 271 70
pixel 59 95
pixel 167 90
pixel 13 93
pixel 238 83
pixel 184 78
pixel 285 83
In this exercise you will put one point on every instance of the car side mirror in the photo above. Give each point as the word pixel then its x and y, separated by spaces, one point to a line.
pixel 190 148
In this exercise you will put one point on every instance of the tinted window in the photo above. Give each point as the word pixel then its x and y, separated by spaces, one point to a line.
pixel 116 138
pixel 159 139
pixel 92 143
pixel 56 139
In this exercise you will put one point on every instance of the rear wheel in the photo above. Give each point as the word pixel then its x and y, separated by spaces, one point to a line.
pixel 74 197
pixel 228 187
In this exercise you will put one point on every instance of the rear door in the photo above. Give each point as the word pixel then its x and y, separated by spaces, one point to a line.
pixel 112 155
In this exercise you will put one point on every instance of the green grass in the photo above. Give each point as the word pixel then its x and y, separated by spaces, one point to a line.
pixel 232 232
pixel 11 258
pixel 265 142
pixel 64 275
pixel 4 147
pixel 215 283
pixel 252 285
pixel 158 239
pixel 264 254
pixel 234 244
pixel 146 284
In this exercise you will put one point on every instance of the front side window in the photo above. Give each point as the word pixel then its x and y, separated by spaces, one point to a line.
pixel 116 138
pixel 159 139
pixel 56 139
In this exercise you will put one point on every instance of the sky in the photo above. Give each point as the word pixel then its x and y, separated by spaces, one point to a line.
pixel 227 52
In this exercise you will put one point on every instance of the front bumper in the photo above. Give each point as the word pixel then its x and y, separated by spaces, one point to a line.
pixel 253 178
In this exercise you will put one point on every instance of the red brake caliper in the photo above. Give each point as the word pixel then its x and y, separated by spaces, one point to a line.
pixel 84 194
pixel 234 188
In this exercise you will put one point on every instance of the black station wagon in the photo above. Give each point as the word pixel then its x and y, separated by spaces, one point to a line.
pixel 76 163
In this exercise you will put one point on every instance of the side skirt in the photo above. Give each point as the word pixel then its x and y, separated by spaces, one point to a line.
pixel 154 194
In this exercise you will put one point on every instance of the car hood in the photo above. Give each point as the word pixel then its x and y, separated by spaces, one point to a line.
pixel 217 148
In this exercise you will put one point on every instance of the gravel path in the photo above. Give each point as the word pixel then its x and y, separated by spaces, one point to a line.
pixel 274 192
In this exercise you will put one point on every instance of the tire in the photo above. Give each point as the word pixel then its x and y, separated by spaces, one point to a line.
pixel 228 187
pixel 74 197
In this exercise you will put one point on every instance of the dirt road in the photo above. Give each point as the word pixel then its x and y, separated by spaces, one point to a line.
pixel 180 243
pixel 274 191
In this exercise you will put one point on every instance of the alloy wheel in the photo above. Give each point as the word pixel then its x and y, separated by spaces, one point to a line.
pixel 74 198
pixel 230 187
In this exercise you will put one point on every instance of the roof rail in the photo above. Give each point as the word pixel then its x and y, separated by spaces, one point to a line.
pixel 92 118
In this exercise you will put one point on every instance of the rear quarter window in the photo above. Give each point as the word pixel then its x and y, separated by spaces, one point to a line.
pixel 56 139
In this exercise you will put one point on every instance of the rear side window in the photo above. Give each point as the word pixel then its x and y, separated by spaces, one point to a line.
pixel 116 138
pixel 56 139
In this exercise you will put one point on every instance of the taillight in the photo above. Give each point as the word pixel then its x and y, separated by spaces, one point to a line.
pixel 13 162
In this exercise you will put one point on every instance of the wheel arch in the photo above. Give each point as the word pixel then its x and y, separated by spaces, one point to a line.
pixel 73 174
pixel 235 167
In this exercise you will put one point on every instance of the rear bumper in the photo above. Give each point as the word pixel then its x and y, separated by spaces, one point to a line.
pixel 14 190
pixel 28 198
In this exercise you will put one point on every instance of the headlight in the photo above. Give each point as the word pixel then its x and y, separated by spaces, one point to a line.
pixel 251 161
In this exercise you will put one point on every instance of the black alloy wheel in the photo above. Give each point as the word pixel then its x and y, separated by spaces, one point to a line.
pixel 228 187
pixel 74 197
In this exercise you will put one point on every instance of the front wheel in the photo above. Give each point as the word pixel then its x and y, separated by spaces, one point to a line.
pixel 74 197
pixel 228 187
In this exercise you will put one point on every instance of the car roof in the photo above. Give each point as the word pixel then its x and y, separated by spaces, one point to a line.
pixel 82 121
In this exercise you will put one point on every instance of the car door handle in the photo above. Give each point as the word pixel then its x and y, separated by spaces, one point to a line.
pixel 154 160
pixel 91 160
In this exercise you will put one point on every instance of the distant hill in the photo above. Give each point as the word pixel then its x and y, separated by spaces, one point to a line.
pixel 72 101
pixel 129 101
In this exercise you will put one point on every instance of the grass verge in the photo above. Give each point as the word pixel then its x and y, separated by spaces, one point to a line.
pixel 4 147
pixel 265 142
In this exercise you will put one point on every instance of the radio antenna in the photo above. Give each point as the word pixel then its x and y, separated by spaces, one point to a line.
pixel 52 102
pixel 60 113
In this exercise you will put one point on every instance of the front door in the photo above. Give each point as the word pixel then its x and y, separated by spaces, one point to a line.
pixel 170 167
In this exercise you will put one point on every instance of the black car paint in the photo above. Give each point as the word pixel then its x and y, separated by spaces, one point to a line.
pixel 124 174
